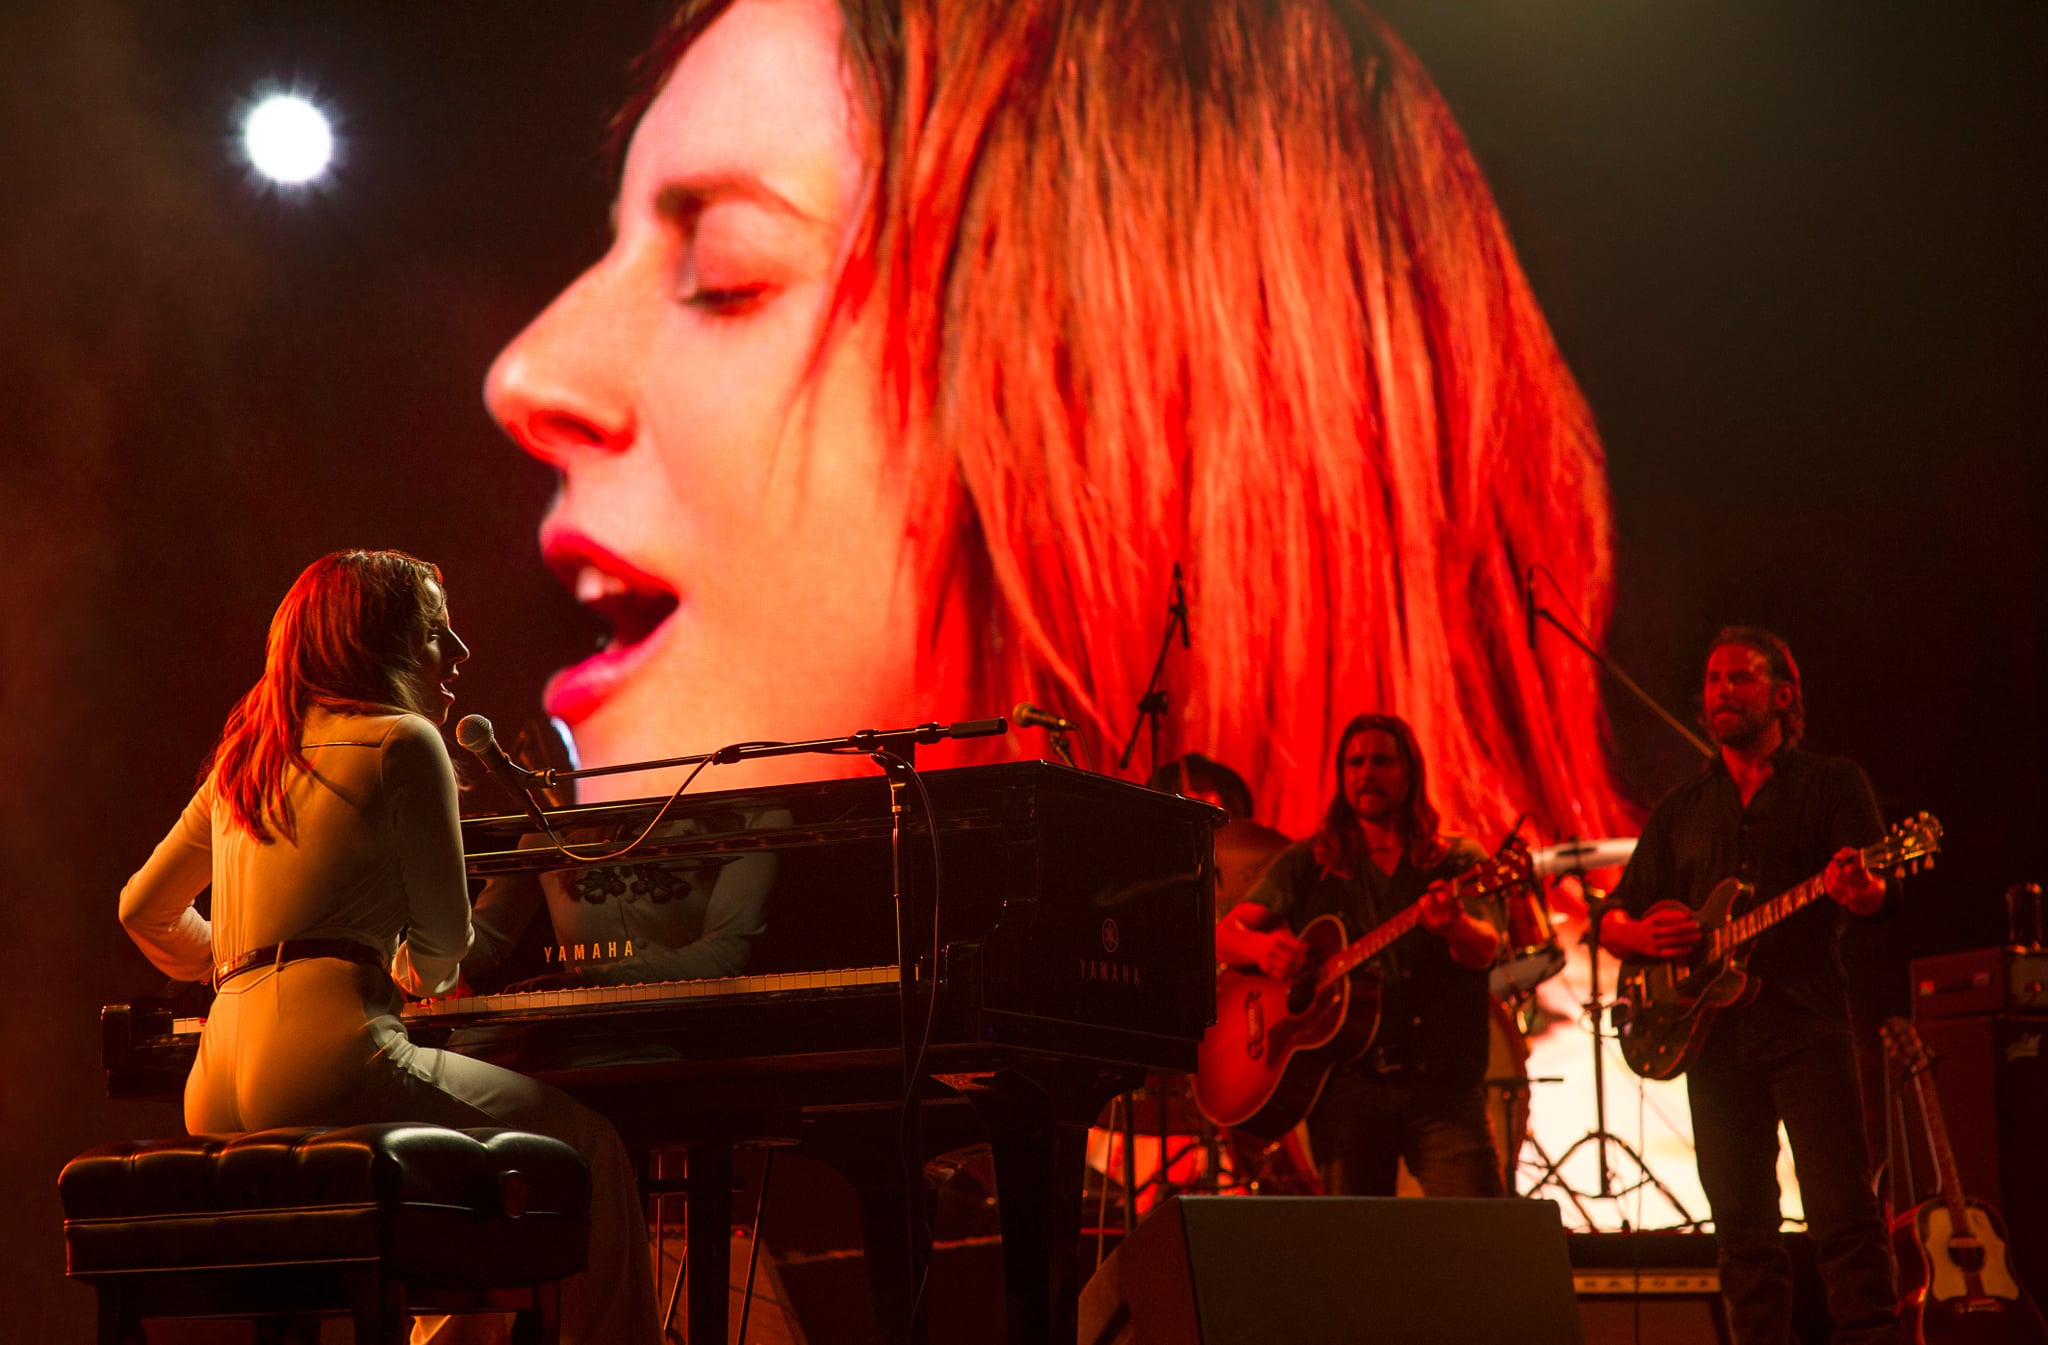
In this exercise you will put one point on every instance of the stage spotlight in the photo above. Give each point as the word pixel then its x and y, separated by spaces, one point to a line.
pixel 288 139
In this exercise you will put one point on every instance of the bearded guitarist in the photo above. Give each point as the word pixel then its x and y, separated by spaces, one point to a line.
pixel 1772 816
pixel 1418 1092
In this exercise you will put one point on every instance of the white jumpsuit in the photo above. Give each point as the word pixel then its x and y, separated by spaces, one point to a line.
pixel 378 860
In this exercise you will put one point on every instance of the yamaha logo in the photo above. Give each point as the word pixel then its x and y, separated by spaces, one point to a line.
pixel 1109 935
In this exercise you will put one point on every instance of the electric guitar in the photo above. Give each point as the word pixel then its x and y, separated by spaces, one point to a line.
pixel 1263 1065
pixel 1664 1006
pixel 1955 1279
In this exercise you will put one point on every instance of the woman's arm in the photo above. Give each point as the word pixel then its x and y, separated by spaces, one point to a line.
pixel 428 829
pixel 157 904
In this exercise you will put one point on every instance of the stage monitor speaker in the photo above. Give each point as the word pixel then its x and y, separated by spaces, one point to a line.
pixel 1221 1270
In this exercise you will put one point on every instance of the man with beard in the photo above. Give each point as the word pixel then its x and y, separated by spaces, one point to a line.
pixel 1418 1093
pixel 1772 815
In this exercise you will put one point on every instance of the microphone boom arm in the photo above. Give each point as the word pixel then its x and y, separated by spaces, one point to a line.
pixel 1628 683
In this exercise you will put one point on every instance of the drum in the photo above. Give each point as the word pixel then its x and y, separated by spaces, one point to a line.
pixel 1533 953
pixel 1243 850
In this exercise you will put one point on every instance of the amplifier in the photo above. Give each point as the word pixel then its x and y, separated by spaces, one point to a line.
pixel 1982 980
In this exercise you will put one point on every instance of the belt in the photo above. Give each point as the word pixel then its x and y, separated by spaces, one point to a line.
pixel 295 950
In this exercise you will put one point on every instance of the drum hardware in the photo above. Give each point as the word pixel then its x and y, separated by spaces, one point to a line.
pixel 1599 1137
pixel 1180 1129
pixel 1513 1091
pixel 1534 955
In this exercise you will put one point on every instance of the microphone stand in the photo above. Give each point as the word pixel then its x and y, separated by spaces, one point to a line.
pixel 895 751
pixel 903 742
pixel 1614 670
pixel 1152 705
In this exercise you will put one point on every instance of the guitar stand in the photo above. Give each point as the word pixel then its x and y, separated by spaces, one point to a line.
pixel 1599 1136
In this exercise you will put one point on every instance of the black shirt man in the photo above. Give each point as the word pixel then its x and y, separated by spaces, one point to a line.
pixel 1418 1093
pixel 1773 816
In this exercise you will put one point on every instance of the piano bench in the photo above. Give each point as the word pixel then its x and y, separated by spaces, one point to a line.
pixel 378 1221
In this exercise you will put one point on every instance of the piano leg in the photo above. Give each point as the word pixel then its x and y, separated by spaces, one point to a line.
pixel 1038 1127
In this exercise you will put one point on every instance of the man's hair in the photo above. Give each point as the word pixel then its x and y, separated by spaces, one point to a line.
pixel 1195 771
pixel 1219 281
pixel 1340 840
pixel 348 636
pixel 1783 669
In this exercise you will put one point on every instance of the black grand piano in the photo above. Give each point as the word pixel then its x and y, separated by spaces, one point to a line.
pixel 1072 954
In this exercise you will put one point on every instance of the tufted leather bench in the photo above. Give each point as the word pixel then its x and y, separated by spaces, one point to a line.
pixel 375 1220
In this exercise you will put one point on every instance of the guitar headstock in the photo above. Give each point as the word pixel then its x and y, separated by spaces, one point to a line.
pixel 1510 866
pixel 1909 848
pixel 1902 1042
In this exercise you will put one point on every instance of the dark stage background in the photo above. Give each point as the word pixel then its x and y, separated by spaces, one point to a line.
pixel 1792 251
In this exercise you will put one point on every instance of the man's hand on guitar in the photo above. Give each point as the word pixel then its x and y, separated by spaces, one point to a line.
pixel 1664 933
pixel 1439 909
pixel 1851 884
pixel 1284 956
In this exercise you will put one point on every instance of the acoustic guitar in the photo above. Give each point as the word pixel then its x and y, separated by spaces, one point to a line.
pixel 1664 1006
pixel 1264 1063
pixel 1955 1279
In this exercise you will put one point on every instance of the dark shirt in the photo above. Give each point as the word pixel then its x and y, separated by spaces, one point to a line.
pixel 1809 808
pixel 1433 1015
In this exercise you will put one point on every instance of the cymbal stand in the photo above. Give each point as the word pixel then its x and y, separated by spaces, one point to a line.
pixel 1599 1136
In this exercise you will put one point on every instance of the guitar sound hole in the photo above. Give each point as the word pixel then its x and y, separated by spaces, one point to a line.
pixel 1299 996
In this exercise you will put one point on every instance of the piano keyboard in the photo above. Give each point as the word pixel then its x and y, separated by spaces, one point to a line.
pixel 605 996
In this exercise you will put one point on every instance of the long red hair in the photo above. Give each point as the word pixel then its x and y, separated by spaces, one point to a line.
pixel 347 636
pixel 1219 281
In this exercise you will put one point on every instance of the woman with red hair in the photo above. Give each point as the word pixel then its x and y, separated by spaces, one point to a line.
pixel 326 826
pixel 933 333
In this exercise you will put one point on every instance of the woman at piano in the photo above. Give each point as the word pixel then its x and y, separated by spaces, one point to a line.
pixel 326 825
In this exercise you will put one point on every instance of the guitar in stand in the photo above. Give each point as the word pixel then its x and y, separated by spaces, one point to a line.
pixel 1263 1065
pixel 1664 1006
pixel 1955 1279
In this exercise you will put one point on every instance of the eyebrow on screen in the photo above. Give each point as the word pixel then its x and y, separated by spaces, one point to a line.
pixel 686 198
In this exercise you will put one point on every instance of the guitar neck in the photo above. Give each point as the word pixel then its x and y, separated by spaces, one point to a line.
pixel 1751 923
pixel 1369 945
pixel 1951 1186
pixel 1742 928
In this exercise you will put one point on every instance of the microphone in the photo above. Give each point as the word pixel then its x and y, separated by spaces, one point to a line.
pixel 1529 604
pixel 477 736
pixel 1029 716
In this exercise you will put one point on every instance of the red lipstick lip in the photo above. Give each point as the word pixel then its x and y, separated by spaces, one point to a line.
pixel 566 552
pixel 575 692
